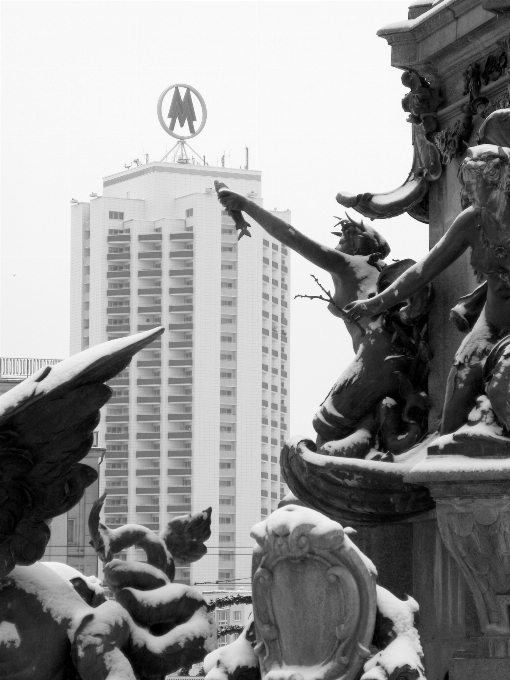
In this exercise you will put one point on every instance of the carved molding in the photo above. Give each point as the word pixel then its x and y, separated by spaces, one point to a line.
pixel 476 531
pixel 314 598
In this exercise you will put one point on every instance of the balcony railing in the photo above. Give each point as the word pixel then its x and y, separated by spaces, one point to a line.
pixel 178 290
pixel 22 368
pixel 150 291
pixel 181 253
pixel 119 309
pixel 122 274
pixel 181 308
pixel 182 236
pixel 148 326
pixel 117 328
pixel 150 237
pixel 154 380
pixel 113 238
pixel 147 273
pixel 118 292
pixel 181 272
pixel 150 310
pixel 187 326
pixel 116 490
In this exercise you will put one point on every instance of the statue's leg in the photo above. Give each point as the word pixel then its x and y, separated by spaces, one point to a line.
pixel 497 380
pixel 465 381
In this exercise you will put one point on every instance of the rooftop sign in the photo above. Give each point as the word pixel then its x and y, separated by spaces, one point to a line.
pixel 178 104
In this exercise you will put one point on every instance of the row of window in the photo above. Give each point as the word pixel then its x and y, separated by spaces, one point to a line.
pixel 274 246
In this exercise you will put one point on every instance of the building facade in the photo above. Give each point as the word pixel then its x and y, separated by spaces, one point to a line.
pixel 199 417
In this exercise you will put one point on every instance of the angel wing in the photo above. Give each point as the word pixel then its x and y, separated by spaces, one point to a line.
pixel 46 426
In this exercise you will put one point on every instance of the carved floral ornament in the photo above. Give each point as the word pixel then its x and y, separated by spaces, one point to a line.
pixel 307 575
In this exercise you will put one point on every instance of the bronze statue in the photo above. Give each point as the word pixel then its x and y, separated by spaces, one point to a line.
pixel 48 628
pixel 484 226
pixel 380 400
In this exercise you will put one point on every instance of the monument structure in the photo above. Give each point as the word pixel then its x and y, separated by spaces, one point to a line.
pixel 413 452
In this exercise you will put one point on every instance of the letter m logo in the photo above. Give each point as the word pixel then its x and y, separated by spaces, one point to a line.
pixel 182 110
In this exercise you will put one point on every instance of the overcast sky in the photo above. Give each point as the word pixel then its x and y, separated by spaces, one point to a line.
pixel 307 86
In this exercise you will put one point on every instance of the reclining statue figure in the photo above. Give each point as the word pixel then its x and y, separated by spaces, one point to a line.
pixel 379 402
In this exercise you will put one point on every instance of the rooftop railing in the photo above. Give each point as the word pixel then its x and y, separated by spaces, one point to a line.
pixel 12 367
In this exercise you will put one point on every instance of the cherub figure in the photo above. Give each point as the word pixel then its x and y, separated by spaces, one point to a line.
pixel 483 226
pixel 379 399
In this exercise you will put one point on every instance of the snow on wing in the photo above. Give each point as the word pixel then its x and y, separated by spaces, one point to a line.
pixel 46 426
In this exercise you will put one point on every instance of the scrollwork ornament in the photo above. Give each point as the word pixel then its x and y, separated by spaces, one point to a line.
pixel 304 559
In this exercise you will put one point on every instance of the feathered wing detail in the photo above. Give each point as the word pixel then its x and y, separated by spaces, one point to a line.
pixel 46 426
pixel 185 536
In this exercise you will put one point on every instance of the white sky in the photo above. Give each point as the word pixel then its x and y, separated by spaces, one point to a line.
pixel 307 86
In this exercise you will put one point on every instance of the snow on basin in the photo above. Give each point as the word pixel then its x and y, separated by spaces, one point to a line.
pixel 401 465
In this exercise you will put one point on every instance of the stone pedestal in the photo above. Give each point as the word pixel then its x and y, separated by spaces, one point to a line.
pixel 473 518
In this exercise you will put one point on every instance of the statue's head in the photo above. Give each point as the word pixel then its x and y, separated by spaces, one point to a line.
pixel 357 238
pixel 484 173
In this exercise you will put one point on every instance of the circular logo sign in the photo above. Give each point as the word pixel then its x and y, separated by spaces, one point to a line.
pixel 178 105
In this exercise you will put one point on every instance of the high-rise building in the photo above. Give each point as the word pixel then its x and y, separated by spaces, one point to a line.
pixel 199 418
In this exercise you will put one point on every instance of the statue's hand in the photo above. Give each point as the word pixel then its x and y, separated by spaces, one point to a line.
pixel 230 200
pixel 355 310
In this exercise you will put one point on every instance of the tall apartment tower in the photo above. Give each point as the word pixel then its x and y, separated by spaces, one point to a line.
pixel 199 417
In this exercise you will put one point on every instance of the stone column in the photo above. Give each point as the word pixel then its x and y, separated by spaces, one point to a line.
pixel 473 515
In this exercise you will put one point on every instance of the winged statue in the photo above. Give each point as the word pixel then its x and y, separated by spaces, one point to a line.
pixel 49 628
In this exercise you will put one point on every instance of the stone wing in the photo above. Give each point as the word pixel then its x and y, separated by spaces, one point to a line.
pixel 46 426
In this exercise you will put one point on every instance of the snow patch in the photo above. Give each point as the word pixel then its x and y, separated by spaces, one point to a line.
pixel 56 595
pixel 9 634
pixel 224 661
pixel 68 573
pixel 406 648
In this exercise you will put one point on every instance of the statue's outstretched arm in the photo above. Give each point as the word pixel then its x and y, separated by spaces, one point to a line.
pixel 324 257
pixel 442 255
